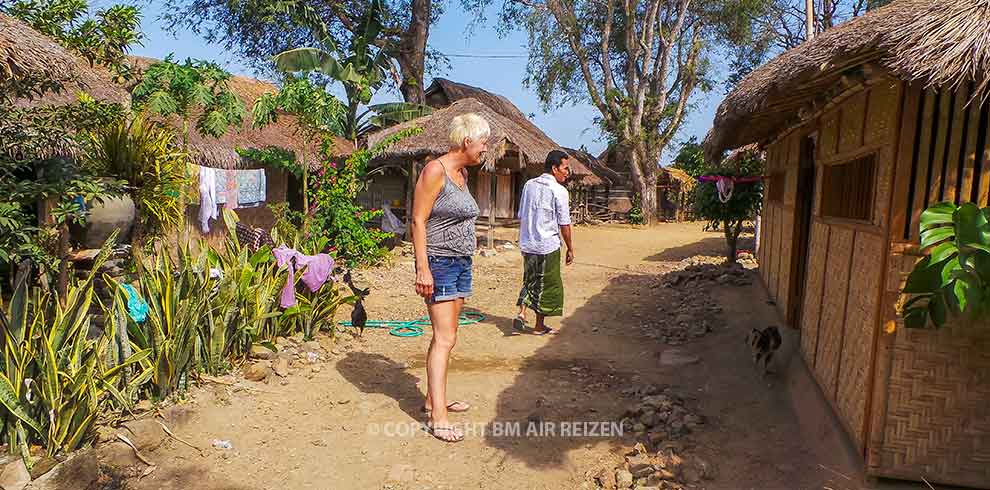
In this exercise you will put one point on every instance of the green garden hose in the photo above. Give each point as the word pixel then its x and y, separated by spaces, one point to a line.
pixel 414 328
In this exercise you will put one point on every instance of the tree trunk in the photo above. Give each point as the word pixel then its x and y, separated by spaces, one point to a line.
pixel 412 53
pixel 410 192
pixel 62 286
pixel 731 239
pixel 644 178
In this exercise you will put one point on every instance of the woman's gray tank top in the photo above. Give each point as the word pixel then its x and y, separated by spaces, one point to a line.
pixel 450 227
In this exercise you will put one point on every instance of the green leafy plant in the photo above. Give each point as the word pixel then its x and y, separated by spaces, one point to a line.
pixel 953 280
pixel 336 215
pixel 144 156
pixel 54 380
pixel 361 68
pixel 742 206
pixel 194 88
pixel 636 214
pixel 178 294
pixel 102 39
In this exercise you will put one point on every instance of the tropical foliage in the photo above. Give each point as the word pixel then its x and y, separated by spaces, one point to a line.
pixel 146 158
pixel 361 69
pixel 194 88
pixel 953 280
pixel 743 205
pixel 103 38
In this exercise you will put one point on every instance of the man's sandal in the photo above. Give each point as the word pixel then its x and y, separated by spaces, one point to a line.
pixel 447 434
pixel 519 324
pixel 453 407
pixel 545 331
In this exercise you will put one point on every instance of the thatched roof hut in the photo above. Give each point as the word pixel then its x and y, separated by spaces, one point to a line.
pixel 935 42
pixel 27 57
pixel 581 173
pixel 222 152
pixel 433 140
pixel 443 92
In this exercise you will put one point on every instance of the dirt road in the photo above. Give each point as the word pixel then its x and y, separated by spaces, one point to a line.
pixel 350 423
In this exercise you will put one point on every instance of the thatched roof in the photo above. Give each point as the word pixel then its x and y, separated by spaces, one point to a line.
pixel 581 173
pixel 507 134
pixel 28 56
pixel 936 42
pixel 222 152
pixel 681 177
pixel 442 93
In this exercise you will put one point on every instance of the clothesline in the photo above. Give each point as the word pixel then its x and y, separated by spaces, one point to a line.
pixel 232 188
pixel 726 183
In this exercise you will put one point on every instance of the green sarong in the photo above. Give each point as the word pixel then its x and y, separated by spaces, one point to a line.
pixel 543 289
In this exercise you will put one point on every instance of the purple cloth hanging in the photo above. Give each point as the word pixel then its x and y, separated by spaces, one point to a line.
pixel 316 271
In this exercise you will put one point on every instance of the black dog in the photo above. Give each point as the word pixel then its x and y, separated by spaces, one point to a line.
pixel 359 317
pixel 764 343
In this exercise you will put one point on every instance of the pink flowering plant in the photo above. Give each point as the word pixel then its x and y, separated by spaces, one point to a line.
pixel 335 213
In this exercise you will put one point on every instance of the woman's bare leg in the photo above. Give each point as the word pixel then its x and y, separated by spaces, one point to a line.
pixel 443 316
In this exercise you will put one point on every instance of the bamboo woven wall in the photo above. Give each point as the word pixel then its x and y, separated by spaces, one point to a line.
pixel 843 286
pixel 930 417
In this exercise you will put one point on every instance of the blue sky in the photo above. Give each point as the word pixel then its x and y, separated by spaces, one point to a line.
pixel 568 126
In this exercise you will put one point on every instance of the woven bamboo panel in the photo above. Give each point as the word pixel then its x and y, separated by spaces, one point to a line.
pixel 829 135
pixel 882 112
pixel 786 252
pixel 811 310
pixel 793 163
pixel 768 252
pixel 833 310
pixel 851 123
pixel 938 163
pixel 860 331
pixel 778 238
pixel 938 418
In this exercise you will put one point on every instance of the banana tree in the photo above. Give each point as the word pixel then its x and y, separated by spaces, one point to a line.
pixel 953 280
pixel 362 70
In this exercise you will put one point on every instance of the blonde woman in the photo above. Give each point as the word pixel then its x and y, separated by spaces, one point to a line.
pixel 444 213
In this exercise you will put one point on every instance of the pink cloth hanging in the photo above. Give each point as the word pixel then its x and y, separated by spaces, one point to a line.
pixel 316 271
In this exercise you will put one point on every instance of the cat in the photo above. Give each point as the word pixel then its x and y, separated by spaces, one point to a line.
pixel 763 344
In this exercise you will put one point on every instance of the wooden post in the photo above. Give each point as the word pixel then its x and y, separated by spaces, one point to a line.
pixel 492 186
pixel 410 191
pixel 809 19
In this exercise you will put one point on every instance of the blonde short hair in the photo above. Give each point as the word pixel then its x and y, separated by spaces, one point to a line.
pixel 468 126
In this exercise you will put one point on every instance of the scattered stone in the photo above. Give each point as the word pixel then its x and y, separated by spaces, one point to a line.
pixel 258 371
pixel 143 406
pixel 281 367
pixel 623 478
pixel 15 475
pixel 298 338
pixel 487 252
pixel 316 369
pixel 312 346
pixel 676 358
pixel 261 352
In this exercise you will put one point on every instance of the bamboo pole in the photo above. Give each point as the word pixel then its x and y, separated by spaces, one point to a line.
pixel 809 19
pixel 492 187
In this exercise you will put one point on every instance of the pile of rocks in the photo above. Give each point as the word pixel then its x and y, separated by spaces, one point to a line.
pixel 702 275
pixel 290 354
pixel 692 316
pixel 660 416
pixel 660 461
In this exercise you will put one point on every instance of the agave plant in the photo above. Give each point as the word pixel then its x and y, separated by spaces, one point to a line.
pixel 178 293
pixel 954 278
pixel 55 381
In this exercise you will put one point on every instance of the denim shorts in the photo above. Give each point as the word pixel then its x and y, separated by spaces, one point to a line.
pixel 451 277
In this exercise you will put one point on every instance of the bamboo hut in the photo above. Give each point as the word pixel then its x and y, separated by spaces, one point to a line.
pixel 588 191
pixel 673 186
pixel 36 71
pixel 514 153
pixel 865 126
pixel 221 153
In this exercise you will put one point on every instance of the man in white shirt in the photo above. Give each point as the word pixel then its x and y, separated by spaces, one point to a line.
pixel 545 218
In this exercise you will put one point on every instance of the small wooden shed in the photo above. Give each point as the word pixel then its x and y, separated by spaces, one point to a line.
pixel 865 126
pixel 673 186
pixel 587 189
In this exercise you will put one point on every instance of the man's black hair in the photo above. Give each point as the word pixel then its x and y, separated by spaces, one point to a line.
pixel 554 159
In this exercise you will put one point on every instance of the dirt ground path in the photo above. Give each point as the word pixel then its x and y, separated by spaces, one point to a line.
pixel 324 428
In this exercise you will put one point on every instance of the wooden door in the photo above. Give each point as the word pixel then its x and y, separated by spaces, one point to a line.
pixel 504 196
pixel 483 192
